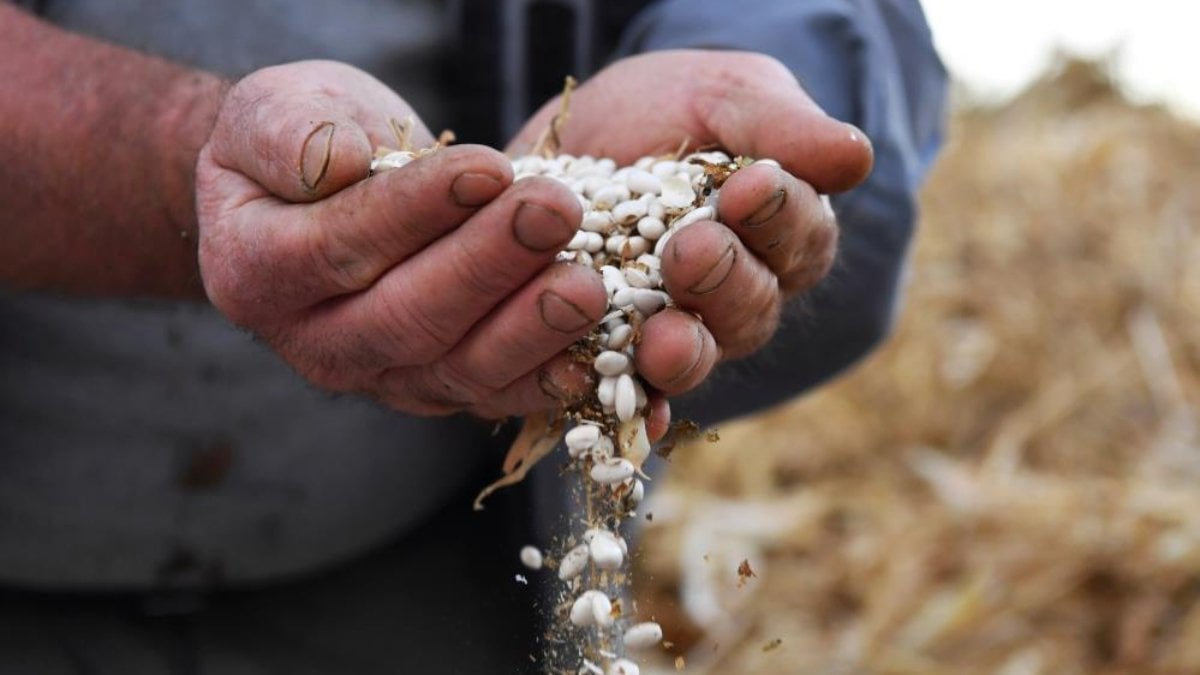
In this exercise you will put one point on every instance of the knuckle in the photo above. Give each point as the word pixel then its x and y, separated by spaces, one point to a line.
pixel 408 390
pixel 348 267
pixel 415 334
pixel 484 274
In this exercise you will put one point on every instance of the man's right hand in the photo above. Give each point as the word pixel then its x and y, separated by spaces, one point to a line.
pixel 432 288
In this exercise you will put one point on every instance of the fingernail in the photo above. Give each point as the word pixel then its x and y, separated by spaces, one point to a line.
pixel 475 189
pixel 539 229
pixel 717 274
pixel 767 210
pixel 561 314
pixel 314 156
pixel 697 353
pixel 548 387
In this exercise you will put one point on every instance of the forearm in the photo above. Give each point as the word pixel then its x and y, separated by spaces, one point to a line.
pixel 99 146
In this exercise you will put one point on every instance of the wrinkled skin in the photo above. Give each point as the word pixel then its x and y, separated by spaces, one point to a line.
pixel 433 288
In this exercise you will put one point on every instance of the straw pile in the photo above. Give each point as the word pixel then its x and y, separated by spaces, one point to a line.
pixel 1012 485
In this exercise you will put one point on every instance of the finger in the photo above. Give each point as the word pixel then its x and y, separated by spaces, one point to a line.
pixel 418 311
pixel 293 131
pixel 544 318
pixel 658 418
pixel 525 331
pixel 748 103
pixel 707 270
pixel 782 221
pixel 272 259
pixel 562 380
pixel 676 352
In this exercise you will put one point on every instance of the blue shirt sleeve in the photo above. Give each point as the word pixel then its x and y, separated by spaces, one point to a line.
pixel 868 62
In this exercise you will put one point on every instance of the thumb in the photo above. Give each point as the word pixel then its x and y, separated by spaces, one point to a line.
pixel 771 116
pixel 283 133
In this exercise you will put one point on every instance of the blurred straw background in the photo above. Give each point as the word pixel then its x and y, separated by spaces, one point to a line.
pixel 1010 486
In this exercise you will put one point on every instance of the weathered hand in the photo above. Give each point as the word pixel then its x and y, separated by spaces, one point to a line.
pixel 779 238
pixel 431 287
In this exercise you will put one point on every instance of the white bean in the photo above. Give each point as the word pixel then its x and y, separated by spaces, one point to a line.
pixel 676 193
pixel 612 194
pixel 635 246
pixel 643 635
pixel 620 337
pixel 573 562
pixel 651 227
pixel 606 390
pixel 643 182
pixel 582 612
pixel 606 552
pixel 649 301
pixel 582 437
pixel 612 363
pixel 625 398
pixel 694 216
pixel 612 470
pixel 531 557
pixel 623 297
pixel 602 610
pixel 628 211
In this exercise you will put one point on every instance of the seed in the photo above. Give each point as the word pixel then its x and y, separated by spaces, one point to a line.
pixel 637 278
pixel 578 241
pixel 582 437
pixel 628 211
pixel 676 193
pixel 664 169
pixel 694 216
pixel 606 390
pixel 573 563
pixel 606 552
pixel 652 262
pixel 612 470
pixel 615 243
pixel 531 557
pixel 623 297
pixel 623 667
pixel 661 244
pixel 625 398
pixel 643 635
pixel 635 246
pixel 611 363
pixel 602 609
pixel 643 182
pixel 638 493
pixel 651 227
pixel 603 450
pixel 597 221
pixel 582 612
pixel 648 301
pixel 634 443
pixel 593 242
pixel 610 195
pixel 614 279
pixel 620 337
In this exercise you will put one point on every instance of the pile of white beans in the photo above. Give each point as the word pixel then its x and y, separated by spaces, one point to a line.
pixel 629 214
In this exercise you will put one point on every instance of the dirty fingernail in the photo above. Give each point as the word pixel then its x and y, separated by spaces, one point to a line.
pixel 314 156
pixel 767 210
pixel 549 388
pixel 561 314
pixel 717 274
pixel 472 189
pixel 697 354
pixel 539 229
